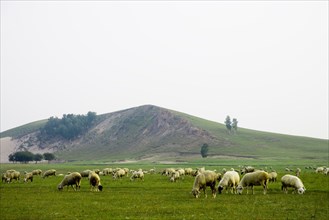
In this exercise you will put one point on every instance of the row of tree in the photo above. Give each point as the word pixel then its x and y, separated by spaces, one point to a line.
pixel 69 126
pixel 27 156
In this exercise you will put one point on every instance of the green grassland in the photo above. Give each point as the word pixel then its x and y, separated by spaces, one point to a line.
pixel 156 197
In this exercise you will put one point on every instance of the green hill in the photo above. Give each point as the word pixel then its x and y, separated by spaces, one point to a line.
pixel 153 133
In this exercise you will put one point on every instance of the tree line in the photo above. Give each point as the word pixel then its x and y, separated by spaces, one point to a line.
pixel 70 126
pixel 27 156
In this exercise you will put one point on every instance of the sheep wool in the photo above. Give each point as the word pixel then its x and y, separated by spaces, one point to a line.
pixel 294 182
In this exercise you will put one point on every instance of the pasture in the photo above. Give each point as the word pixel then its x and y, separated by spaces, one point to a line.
pixel 155 197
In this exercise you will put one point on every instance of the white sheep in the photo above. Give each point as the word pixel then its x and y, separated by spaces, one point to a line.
pixel 119 173
pixel 231 180
pixel 248 169
pixel 258 178
pixel 273 176
pixel 319 169
pixel 95 182
pixel 37 172
pixel 85 173
pixel 70 180
pixel 137 175
pixel 12 175
pixel 202 180
pixel 174 176
pixel 51 172
pixel 294 182
pixel 28 176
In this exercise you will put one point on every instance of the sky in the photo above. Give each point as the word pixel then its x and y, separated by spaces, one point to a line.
pixel 262 62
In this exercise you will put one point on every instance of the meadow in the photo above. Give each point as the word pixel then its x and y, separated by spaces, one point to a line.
pixel 155 197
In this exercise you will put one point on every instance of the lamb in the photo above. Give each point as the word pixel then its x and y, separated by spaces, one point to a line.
pixel 230 180
pixel 28 176
pixel 95 182
pixel 273 176
pixel 294 182
pixel 137 175
pixel 202 180
pixel 51 172
pixel 258 178
pixel 70 180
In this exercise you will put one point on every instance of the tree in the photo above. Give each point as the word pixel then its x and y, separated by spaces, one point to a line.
pixel 38 157
pixel 48 156
pixel 204 150
pixel 228 123
pixel 21 156
pixel 235 125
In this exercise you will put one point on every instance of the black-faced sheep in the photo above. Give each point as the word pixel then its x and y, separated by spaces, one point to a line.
pixel 95 182
pixel 202 180
pixel 48 173
pixel 70 180
pixel 258 178
pixel 294 182
pixel 28 176
pixel 231 180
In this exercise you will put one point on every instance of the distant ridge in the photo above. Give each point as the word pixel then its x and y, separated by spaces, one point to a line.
pixel 152 133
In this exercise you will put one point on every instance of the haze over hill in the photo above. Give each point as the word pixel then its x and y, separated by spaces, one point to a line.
pixel 152 133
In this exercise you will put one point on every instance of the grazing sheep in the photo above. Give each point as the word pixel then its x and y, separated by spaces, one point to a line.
pixel 28 176
pixel 85 173
pixel 319 169
pixel 12 175
pixel 174 176
pixel 119 173
pixel 273 176
pixel 202 180
pixel 137 175
pixel 231 180
pixel 188 171
pixel 292 181
pixel 247 169
pixel 51 172
pixel 298 170
pixel 70 180
pixel 95 182
pixel 107 171
pixel 258 178
pixel 37 172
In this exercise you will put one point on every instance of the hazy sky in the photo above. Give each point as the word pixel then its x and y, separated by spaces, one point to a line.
pixel 262 62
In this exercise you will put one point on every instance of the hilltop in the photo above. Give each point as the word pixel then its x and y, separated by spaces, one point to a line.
pixel 152 133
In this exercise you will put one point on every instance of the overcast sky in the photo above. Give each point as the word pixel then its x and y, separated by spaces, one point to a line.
pixel 262 62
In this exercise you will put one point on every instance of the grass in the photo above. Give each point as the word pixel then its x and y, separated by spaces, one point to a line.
pixel 155 198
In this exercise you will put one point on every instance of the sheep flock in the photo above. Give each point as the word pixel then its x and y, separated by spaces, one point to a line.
pixel 235 180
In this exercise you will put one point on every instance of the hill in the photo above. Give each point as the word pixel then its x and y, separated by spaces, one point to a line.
pixel 152 133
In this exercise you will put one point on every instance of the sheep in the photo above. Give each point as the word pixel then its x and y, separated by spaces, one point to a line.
pixel 174 176
pixel 188 171
pixel 298 170
pixel 292 181
pixel 325 171
pixel 85 173
pixel 51 172
pixel 258 178
pixel 4 178
pixel 202 180
pixel 12 174
pixel 119 173
pixel 230 179
pixel 107 171
pixel 70 180
pixel 137 175
pixel 273 176
pixel 95 182
pixel 28 176
pixel 247 169
pixel 319 169
pixel 37 172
